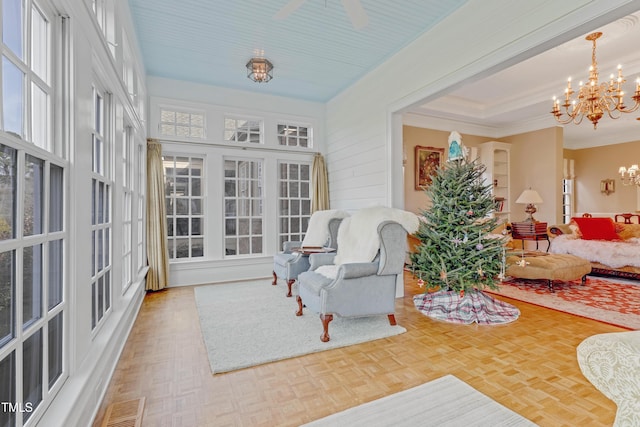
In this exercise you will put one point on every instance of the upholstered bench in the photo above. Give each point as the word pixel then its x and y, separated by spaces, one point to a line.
pixel 549 267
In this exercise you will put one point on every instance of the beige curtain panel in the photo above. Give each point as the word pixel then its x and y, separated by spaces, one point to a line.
pixel 319 184
pixel 157 255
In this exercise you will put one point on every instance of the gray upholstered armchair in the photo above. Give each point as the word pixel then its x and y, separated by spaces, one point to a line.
pixel 355 289
pixel 321 232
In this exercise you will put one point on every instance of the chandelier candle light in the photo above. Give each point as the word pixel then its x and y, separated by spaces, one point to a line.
pixel 594 98
pixel 632 175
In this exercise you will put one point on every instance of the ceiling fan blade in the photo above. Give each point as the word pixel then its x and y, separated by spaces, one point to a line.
pixel 356 13
pixel 288 9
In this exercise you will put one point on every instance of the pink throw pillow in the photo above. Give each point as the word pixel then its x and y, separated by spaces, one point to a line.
pixel 597 228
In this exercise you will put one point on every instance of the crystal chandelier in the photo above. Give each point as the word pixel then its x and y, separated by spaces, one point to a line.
pixel 594 98
pixel 632 177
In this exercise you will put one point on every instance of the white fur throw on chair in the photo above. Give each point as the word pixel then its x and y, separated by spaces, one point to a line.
pixel 358 239
pixel 318 228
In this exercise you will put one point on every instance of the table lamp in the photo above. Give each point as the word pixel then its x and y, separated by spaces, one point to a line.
pixel 530 198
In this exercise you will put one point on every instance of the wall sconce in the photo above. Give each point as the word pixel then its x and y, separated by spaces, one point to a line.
pixel 259 70
pixel 607 186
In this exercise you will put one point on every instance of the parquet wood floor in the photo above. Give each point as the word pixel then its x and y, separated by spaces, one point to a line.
pixel 528 366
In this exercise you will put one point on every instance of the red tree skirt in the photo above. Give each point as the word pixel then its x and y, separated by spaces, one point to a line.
pixel 475 306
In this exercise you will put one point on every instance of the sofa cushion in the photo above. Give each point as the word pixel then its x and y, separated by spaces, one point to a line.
pixel 597 228
pixel 628 231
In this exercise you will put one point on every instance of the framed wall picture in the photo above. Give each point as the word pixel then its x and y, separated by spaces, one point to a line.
pixel 428 160
pixel 607 186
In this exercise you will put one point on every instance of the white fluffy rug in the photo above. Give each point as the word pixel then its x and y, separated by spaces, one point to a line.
pixel 445 402
pixel 250 323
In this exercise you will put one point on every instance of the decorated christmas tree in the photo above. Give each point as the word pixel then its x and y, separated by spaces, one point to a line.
pixel 458 250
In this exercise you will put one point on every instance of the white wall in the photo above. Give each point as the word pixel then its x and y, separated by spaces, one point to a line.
pixel 364 150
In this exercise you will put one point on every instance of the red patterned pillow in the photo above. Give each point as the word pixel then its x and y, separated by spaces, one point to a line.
pixel 597 228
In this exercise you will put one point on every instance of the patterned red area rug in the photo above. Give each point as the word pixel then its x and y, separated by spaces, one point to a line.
pixel 609 301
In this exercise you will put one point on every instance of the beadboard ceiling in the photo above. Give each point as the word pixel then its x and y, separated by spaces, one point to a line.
pixel 315 50
pixel 317 53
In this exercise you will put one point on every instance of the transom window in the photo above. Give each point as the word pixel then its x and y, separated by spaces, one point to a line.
pixel 184 203
pixel 294 207
pixel 181 123
pixel 242 130
pixel 243 200
pixel 294 136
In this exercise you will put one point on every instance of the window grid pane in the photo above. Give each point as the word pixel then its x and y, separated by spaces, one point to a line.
pixel 294 136
pixel 243 207
pixel 242 130
pixel 101 192
pixel 294 207
pixel 182 124
pixel 184 204
pixel 8 159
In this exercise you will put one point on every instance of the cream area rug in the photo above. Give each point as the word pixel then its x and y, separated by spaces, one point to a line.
pixel 250 323
pixel 446 401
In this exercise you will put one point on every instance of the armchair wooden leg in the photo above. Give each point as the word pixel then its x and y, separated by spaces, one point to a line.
pixel 275 279
pixel 326 318
pixel 392 319
pixel 299 300
pixel 289 284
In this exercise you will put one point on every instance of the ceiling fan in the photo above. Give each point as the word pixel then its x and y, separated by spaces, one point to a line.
pixel 354 9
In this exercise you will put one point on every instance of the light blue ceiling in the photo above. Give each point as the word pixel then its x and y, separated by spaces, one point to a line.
pixel 315 51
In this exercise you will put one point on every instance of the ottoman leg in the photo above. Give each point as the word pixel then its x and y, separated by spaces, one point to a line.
pixel 550 284
pixel 584 280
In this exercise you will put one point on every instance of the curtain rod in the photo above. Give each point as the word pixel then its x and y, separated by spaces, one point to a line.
pixel 235 147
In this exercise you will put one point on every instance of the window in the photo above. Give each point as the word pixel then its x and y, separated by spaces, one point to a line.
pixel 294 136
pixel 140 186
pixel 101 196
pixel 32 200
pixel 184 204
pixel 242 130
pixel 26 72
pixel 294 207
pixel 181 123
pixel 243 216
pixel 127 195
pixel 567 200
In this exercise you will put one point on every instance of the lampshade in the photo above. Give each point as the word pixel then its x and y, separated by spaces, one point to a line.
pixel 529 197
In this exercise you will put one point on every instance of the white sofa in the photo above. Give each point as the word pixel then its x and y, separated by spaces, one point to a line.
pixel 617 256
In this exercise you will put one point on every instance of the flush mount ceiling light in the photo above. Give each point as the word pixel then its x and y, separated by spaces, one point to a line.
pixel 594 98
pixel 259 70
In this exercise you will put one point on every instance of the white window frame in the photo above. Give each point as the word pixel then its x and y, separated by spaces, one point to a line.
pixel 102 207
pixel 287 132
pixel 188 201
pixel 37 63
pixel 245 223
pixel 233 127
pixel 192 125
pixel 293 226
